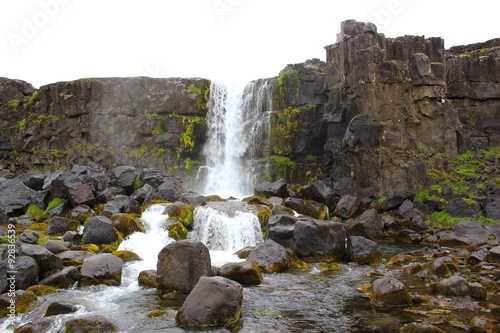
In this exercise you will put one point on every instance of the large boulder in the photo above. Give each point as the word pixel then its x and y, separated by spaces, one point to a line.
pixel 396 200
pixel 454 286
pixel 26 272
pixel 281 228
pixel 125 177
pixel 181 264
pixel 471 229
pixel 493 255
pixel 389 292
pixel 363 251
pixel 421 328
pixel 101 269
pixel 15 195
pixel 320 191
pixel 99 230
pixel 121 204
pixel 271 257
pixel 64 278
pixel 214 301
pixel 268 189
pixel 369 225
pixel 319 240
pixel 81 194
pixel 244 272
pixel 170 190
pixel 310 208
pixel 59 225
pixel 46 260
pixel 89 323
pixel 347 206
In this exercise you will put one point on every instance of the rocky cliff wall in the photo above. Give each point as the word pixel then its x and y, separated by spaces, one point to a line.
pixel 135 121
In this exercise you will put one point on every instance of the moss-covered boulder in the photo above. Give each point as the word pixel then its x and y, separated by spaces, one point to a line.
pixel 421 328
pixel 126 224
pixel 99 230
pixel 271 257
pixel 22 302
pixel 214 301
pixel 310 208
pixel 127 256
pixel 58 308
pixel 245 272
pixel 182 212
pixel 147 279
pixel 89 323
pixel 41 290
pixel 389 293
pixel 363 251
pixel 176 229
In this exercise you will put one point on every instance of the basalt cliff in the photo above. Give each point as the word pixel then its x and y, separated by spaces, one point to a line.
pixel 371 120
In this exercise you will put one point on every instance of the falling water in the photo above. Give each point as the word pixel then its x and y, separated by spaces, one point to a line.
pixel 237 126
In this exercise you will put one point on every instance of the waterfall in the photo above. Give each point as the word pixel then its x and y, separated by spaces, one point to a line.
pixel 238 122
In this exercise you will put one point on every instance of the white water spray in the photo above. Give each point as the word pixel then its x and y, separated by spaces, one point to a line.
pixel 237 126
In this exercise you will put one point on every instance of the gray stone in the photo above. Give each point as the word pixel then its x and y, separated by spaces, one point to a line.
pixel 363 251
pixel 319 240
pixel 101 269
pixel 347 206
pixel 271 257
pixel 99 230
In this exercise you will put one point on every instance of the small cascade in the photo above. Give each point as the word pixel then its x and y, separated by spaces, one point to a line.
pixel 225 227
pixel 238 123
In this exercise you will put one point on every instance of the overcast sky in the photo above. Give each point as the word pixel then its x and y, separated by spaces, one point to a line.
pixel 45 41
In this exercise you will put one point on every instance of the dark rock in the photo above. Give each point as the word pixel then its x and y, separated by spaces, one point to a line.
pixel 194 199
pixel 58 308
pixel 310 208
pixel 434 205
pixel 319 240
pixel 72 237
pixel 369 225
pixel 28 237
pixel 181 264
pixel 81 195
pixel 443 266
pixel 27 271
pixel 34 181
pixel 214 301
pixel 271 257
pixel 420 328
pixel 492 209
pixel 126 224
pixel 480 324
pixel 454 286
pixel 389 222
pixel 477 257
pixel 494 230
pixel 320 191
pixel 99 230
pixel 121 204
pixel 347 206
pixel 268 189
pixel 363 251
pixel 46 260
pixel 450 239
pixel 36 326
pixel 406 209
pixel 97 323
pixel 471 229
pixel 60 225
pixel 141 194
pixel 25 302
pixel 170 190
pixel 80 213
pixel 243 272
pixel 362 132
pixel 15 195
pixel 4 283
pixel 73 257
pixel 389 292
pixel 493 255
pixel 109 193
pixel 396 200
pixel 59 187
pixel 281 228
pixel 417 224
pixel 125 177
pixel 459 208
pixel 147 278
pixel 65 278
pixel 101 269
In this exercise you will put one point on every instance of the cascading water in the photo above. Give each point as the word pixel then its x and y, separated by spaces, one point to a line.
pixel 237 126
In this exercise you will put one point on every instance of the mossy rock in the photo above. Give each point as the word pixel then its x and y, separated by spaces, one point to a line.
pixel 157 313
pixel 257 200
pixel 334 266
pixel 126 224
pixel 263 213
pixel 41 290
pixel 80 213
pixel 214 197
pixel 176 230
pixel 181 212
pixel 298 264
pixel 89 323
pixel 127 256
pixel 92 248
pixel 147 279
pixel 401 259
pixel 24 302
pixel 389 293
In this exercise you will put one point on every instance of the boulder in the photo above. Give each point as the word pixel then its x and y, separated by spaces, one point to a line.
pixel 125 177
pixel 443 266
pixel 406 209
pixel 25 302
pixel 454 286
pixel 81 194
pixel 15 196
pixel 319 240
pixel 396 200
pixel 28 237
pixel 142 193
pixel 363 251
pixel 193 198
pixel 493 255
pixel 271 257
pixel 459 208
pixel 58 308
pixel 450 239
pixel 147 278
pixel 369 225
pixel 99 230
pixel 64 278
pixel 471 229
pixel 310 208
pixel 46 260
pixel 4 283
pixel 36 326
pixel 320 191
pixel 126 224
pixel 60 225
pixel 73 258
pixel 121 204
pixel 55 247
pixel 73 237
pixel 268 189
pixel 420 328
pixel 101 269
pixel 127 256
pixel 109 193
pixel 181 264
pixel 389 292
pixel 59 187
pixel 492 209
pixel 89 323
pixel 27 271
pixel 363 132
pixel 245 272
pixel 281 228
pixel 347 206
pixel 170 190
pixel 480 324
pixel 214 301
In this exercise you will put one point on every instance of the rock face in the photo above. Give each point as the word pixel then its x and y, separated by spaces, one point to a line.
pixel 181 264
pixel 214 301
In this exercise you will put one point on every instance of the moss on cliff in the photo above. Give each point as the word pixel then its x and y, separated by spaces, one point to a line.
pixel 283 129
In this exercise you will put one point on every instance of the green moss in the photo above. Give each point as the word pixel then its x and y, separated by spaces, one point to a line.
pixel 153 115
pixel 283 130
pixel 189 163
pixel 156 313
pixel 56 202
pixel 194 89
pixel 13 104
pixel 111 130
pixel 33 98
pixel 21 124
pixel 282 167
pixel 158 130
pixel 158 152
pixel 35 211
pixel 138 152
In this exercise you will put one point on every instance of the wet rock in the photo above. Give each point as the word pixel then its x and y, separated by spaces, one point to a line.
pixel 310 208
pixel 363 251
pixel 245 272
pixel 420 328
pixel 99 230
pixel 389 292
pixel 101 269
pixel 214 301
pixel 268 189
pixel 454 286
pixel 60 225
pixel 147 279
pixel 170 190
pixel 319 240
pixel 471 229
pixel 347 206
pixel 493 255
pixel 181 264
pixel 182 212
pixel 369 225
pixel 127 256
pixel 194 199
pixel 27 271
pixel 55 247
pixel 443 266
pixel 25 302
pixel 58 308
pixel 480 324
pixel 281 228
pixel 126 224
pixel 271 257
pixel 396 200
pixel 96 323
pixel 36 326
pixel 65 278
pixel 46 260
pixel 73 258
pixel 244 252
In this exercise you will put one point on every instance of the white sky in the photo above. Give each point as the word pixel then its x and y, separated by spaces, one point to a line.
pixel 45 41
